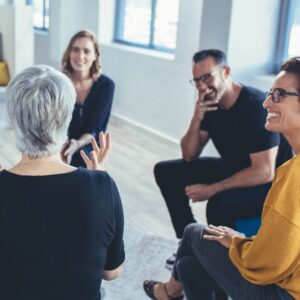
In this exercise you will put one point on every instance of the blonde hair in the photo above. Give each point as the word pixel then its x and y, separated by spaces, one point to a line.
pixel 95 69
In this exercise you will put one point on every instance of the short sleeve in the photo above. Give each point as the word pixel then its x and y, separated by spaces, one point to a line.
pixel 116 253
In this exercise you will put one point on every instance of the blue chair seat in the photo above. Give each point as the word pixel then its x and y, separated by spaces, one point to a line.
pixel 248 226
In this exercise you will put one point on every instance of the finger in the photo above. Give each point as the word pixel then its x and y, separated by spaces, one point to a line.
pixel 209 229
pixel 224 227
pixel 214 229
pixel 108 140
pixel 211 102
pixel 85 158
pixel 213 226
pixel 211 108
pixel 67 152
pixel 69 159
pixel 102 141
pixel 107 148
pixel 212 237
pixel 202 94
pixel 95 145
pixel 94 158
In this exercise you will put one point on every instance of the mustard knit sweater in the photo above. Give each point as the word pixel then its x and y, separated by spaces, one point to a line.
pixel 273 255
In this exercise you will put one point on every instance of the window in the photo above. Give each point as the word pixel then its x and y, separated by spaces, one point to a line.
pixel 288 32
pixel 147 23
pixel 40 14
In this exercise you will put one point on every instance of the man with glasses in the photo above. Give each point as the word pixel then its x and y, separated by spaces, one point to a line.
pixel 232 116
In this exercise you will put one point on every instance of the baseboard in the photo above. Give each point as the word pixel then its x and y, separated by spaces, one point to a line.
pixel 147 130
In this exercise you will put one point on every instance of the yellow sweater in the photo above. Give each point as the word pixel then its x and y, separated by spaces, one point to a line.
pixel 273 255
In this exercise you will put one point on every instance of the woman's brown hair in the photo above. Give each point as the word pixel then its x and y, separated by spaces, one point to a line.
pixel 95 69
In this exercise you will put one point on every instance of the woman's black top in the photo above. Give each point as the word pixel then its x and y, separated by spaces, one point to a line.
pixel 57 235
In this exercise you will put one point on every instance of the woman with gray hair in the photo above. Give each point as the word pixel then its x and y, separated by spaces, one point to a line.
pixel 61 228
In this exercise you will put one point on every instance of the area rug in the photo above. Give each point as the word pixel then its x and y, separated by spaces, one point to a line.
pixel 145 259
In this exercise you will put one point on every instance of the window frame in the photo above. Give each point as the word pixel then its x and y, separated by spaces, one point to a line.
pixel 285 23
pixel 43 28
pixel 119 28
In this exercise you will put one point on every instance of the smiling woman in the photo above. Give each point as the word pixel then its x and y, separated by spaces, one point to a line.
pixel 94 95
pixel 282 101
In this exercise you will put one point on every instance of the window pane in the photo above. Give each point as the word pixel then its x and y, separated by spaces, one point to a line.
pixel 165 26
pixel 38 16
pixel 47 14
pixel 294 45
pixel 137 20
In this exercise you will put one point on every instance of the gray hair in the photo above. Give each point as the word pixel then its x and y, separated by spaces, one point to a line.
pixel 40 102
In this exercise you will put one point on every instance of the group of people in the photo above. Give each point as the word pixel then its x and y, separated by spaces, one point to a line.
pixel 254 134
pixel 62 225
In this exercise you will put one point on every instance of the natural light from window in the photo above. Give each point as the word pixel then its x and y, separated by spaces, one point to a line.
pixel 294 44
pixel 40 14
pixel 150 23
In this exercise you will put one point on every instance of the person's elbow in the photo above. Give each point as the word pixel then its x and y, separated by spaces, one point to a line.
pixel 266 173
pixel 109 275
pixel 188 154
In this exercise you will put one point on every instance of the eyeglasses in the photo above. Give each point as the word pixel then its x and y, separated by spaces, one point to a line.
pixel 204 78
pixel 278 93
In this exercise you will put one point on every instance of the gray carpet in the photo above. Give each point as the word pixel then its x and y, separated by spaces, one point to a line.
pixel 145 259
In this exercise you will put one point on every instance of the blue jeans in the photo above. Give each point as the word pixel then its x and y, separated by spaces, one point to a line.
pixel 204 268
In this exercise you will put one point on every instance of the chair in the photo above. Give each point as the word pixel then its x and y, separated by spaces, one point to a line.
pixel 248 226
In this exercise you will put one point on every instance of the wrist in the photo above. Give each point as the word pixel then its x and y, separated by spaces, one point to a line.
pixel 217 187
pixel 196 121
pixel 76 144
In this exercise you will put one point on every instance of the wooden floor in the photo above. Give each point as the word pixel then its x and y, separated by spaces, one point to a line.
pixel 133 156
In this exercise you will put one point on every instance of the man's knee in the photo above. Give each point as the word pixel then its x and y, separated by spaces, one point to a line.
pixel 159 171
pixel 164 170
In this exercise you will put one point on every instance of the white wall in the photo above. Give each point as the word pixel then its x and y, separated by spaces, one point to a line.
pixel 16 29
pixel 41 48
pixel 215 24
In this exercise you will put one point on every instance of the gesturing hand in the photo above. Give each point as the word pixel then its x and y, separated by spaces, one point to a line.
pixel 222 234
pixel 99 154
